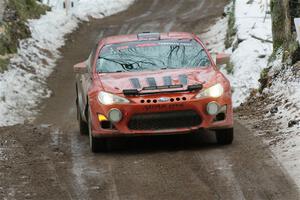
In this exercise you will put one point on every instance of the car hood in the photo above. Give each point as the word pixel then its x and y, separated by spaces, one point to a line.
pixel 117 82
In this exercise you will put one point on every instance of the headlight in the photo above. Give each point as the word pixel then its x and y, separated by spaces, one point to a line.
pixel 214 91
pixel 109 99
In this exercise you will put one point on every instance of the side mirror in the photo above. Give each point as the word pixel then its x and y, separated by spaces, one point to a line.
pixel 222 59
pixel 80 68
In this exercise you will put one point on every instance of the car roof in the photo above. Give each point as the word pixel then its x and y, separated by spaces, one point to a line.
pixel 145 36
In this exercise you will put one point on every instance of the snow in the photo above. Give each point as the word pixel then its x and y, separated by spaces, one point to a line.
pixel 23 85
pixel 286 94
pixel 251 55
pixel 214 37
pixel 288 152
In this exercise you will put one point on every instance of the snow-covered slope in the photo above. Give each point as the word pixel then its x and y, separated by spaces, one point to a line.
pixel 23 85
pixel 284 110
pixel 252 47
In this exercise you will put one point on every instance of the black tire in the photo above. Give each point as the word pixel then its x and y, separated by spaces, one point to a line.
pixel 83 126
pixel 96 144
pixel 225 136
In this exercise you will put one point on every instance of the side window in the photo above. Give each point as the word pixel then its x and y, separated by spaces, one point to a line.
pixel 88 63
pixel 90 60
pixel 93 54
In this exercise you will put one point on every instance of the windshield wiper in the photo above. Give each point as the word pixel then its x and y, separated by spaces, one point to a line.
pixel 165 68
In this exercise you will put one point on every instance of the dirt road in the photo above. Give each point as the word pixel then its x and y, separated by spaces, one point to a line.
pixel 51 160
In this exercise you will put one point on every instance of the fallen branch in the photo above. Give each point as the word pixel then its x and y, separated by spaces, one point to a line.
pixel 261 39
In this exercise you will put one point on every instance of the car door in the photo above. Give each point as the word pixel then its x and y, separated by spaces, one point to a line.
pixel 86 79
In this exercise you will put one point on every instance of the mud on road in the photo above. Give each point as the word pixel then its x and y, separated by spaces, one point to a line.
pixel 51 160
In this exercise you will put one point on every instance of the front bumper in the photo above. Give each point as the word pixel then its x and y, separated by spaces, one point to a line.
pixel 149 105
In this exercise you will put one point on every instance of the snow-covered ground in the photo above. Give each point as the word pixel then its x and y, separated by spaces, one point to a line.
pixel 285 94
pixel 214 37
pixel 249 57
pixel 252 46
pixel 24 84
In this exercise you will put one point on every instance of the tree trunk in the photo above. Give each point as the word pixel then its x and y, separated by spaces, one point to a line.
pixel 281 23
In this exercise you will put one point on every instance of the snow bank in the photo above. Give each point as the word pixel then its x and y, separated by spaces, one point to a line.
pixel 215 36
pixel 24 84
pixel 285 94
pixel 251 52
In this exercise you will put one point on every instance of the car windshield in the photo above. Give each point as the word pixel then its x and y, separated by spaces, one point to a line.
pixel 152 55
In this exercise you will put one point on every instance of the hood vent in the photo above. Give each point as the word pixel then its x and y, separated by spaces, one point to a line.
pixel 183 79
pixel 151 82
pixel 139 89
pixel 135 83
pixel 167 80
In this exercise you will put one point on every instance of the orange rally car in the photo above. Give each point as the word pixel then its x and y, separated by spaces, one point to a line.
pixel 152 84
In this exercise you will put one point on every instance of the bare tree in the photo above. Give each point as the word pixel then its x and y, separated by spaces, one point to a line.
pixel 281 22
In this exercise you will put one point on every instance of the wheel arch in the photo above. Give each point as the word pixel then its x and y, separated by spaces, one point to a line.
pixel 86 109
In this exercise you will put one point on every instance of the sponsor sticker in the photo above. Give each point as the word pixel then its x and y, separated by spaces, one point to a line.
pixel 163 107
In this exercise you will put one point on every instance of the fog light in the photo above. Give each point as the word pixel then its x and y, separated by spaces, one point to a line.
pixel 115 115
pixel 212 108
pixel 101 118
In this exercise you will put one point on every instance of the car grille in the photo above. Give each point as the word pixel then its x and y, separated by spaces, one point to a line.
pixel 165 120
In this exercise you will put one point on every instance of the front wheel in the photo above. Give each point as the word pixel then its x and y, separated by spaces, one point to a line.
pixel 83 126
pixel 225 136
pixel 96 144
